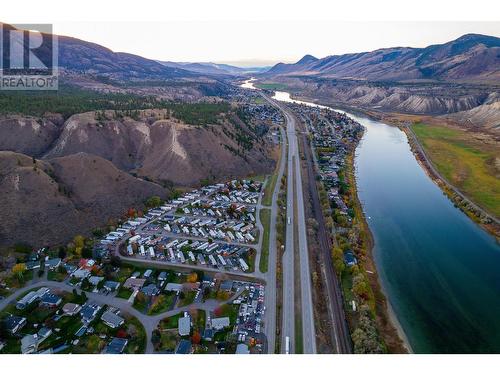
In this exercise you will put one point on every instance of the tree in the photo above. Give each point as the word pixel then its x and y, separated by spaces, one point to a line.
pixel 18 270
pixel 79 243
pixel 365 337
pixel 338 260
pixel 131 212
pixel 156 337
pixel 196 338
pixel 62 252
pixel 154 201
pixel 115 261
pixel 360 286
pixel 192 277
pixel 87 252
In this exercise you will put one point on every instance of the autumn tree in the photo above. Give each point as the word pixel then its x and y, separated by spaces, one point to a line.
pixel 78 243
pixel 338 259
pixel 192 277
pixel 18 270
pixel 196 338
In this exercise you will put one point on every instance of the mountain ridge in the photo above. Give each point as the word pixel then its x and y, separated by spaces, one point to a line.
pixel 471 57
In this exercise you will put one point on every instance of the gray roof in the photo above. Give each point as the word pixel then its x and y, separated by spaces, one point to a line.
pixel 220 323
pixel 184 325
pixel 150 290
pixel 112 319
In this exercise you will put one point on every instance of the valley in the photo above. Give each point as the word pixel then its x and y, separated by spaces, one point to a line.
pixel 332 205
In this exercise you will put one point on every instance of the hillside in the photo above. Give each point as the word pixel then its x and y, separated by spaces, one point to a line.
pixel 181 145
pixel 470 58
pixel 49 202
pixel 165 149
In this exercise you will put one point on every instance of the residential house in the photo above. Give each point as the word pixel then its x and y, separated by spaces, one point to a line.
pixel 95 280
pixel 50 300
pixel 30 343
pixel 112 320
pixel 184 325
pixel 14 324
pixel 220 323
pixel 71 309
pixel 150 290
pixel 52 264
pixel 89 311
pixel 183 347
pixel 81 273
pixel 31 297
pixel 173 287
pixel 116 346
pixel 111 286
pixel 133 283
pixel 226 286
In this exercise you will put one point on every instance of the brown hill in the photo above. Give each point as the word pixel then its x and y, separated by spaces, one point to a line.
pixel 165 149
pixel 48 202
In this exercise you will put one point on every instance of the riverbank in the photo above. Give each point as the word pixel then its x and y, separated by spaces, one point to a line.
pixel 484 219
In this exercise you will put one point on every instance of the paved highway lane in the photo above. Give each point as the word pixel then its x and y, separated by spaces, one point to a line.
pixel 295 194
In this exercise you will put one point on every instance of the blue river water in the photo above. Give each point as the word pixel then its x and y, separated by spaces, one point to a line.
pixel 439 270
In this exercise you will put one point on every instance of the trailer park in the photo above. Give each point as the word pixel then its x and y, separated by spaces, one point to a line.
pixel 179 280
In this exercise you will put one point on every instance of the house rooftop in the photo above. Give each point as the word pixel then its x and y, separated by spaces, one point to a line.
pixel 183 347
pixel 111 319
pixel 116 346
pixel 184 325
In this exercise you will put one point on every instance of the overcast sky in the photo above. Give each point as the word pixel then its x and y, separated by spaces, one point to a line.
pixel 257 32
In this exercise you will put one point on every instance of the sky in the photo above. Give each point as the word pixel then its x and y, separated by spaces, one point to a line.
pixel 260 43
pixel 258 32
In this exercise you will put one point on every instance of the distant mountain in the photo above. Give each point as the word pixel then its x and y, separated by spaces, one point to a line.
pixel 471 57
pixel 213 68
pixel 79 56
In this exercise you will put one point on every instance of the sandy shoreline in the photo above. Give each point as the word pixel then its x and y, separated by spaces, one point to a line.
pixel 397 325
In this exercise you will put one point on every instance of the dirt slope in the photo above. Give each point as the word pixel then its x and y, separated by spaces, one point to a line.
pixel 165 149
pixel 49 202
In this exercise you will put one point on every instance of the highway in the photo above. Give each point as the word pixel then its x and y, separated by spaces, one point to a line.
pixel 295 196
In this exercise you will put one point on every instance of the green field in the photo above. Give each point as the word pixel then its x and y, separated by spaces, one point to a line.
pixel 272 86
pixel 265 218
pixel 467 162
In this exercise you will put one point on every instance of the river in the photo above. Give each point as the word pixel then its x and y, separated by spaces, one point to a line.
pixel 439 270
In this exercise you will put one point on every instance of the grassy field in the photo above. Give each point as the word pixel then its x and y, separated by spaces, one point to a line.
pixel 272 86
pixel 271 184
pixel 473 166
pixel 265 218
